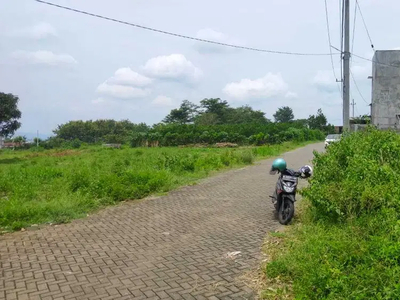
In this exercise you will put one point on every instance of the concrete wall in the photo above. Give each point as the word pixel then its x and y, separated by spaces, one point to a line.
pixel 357 127
pixel 1 142
pixel 385 108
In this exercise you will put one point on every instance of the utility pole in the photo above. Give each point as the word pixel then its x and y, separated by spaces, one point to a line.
pixel 353 104
pixel 346 66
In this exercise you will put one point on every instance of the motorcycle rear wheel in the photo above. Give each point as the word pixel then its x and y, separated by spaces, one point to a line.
pixel 286 211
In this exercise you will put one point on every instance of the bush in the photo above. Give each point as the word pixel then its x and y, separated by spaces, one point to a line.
pixel 359 175
pixel 346 246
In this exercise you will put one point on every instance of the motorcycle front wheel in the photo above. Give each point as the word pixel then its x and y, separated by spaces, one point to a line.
pixel 286 211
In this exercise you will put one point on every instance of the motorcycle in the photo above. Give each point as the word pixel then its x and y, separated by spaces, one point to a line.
pixel 285 192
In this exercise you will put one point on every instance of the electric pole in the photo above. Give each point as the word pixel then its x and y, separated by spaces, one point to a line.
pixel 346 66
pixel 353 104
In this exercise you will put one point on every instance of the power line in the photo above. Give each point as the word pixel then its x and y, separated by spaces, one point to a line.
pixel 341 13
pixel 352 47
pixel 359 92
pixel 354 27
pixel 180 35
pixel 329 40
pixel 376 62
pixel 365 25
pixel 368 59
pixel 340 18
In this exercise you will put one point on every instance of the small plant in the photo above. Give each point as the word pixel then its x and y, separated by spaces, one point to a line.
pixel 247 157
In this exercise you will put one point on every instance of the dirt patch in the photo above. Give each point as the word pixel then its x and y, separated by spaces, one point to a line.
pixel 226 145
pixel 257 279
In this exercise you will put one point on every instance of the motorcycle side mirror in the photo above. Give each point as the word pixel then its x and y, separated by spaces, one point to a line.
pixel 273 172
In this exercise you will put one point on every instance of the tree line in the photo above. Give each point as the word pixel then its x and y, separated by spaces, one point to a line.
pixel 212 121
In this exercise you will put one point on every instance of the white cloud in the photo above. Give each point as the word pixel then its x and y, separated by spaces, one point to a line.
pixel 325 81
pixel 121 91
pixel 43 58
pixel 126 76
pixel 39 31
pixel 268 86
pixel 290 94
pixel 216 36
pixel 163 101
pixel 174 66
pixel 125 84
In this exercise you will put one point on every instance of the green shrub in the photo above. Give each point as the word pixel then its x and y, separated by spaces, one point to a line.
pixel 347 244
pixel 357 176
pixel 247 157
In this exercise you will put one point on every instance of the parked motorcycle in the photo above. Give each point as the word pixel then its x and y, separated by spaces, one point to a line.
pixel 285 192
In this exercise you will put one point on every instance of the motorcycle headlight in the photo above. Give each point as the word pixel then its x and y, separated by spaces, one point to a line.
pixel 288 189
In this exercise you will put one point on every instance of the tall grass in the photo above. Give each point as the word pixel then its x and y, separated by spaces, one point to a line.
pixel 57 186
pixel 346 244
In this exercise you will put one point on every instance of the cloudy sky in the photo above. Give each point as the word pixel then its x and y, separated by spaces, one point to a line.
pixel 67 66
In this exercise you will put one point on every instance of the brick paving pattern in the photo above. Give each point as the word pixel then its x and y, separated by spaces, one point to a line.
pixel 170 247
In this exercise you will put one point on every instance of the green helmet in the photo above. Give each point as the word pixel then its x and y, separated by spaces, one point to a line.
pixel 279 164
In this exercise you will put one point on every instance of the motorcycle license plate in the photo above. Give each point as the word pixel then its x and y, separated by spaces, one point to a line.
pixel 289 178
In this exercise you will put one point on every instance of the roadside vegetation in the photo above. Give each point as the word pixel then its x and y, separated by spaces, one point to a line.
pixel 56 186
pixel 71 173
pixel 345 243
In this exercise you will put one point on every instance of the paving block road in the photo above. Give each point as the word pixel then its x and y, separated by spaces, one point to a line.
pixel 169 247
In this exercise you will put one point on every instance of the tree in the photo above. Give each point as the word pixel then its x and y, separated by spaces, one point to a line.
pixel 215 107
pixel 19 139
pixel 217 111
pixel 9 114
pixel 246 115
pixel 185 114
pixel 301 122
pixel 318 121
pixel 207 119
pixel 284 115
pixel 109 131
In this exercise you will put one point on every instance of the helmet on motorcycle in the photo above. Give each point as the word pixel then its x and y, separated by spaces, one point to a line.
pixel 279 164
pixel 306 170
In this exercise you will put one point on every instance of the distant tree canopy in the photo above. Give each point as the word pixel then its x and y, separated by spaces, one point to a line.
pixel 9 114
pixel 284 115
pixel 317 121
pixel 212 121
pixel 183 115
pixel 213 111
pixel 109 131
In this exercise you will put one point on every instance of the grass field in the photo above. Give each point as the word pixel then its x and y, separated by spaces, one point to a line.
pixel 59 185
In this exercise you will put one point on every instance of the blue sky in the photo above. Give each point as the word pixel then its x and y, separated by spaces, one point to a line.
pixel 66 66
